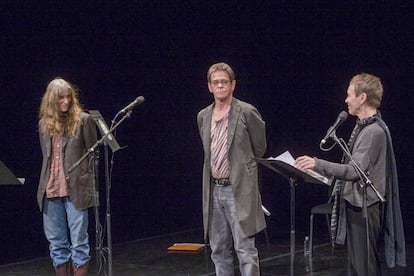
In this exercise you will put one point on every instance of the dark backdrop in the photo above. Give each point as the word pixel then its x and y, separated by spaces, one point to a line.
pixel 292 61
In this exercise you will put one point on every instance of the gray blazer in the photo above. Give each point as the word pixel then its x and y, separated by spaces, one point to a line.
pixel 80 180
pixel 246 139
pixel 369 152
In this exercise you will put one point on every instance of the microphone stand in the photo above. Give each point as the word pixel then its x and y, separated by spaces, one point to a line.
pixel 366 183
pixel 98 246
pixel 92 149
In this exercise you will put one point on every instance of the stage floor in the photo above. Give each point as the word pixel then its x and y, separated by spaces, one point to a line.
pixel 150 257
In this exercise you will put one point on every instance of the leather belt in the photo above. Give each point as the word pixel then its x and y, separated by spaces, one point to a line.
pixel 220 181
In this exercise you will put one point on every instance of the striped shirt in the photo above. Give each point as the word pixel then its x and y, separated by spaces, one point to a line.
pixel 219 150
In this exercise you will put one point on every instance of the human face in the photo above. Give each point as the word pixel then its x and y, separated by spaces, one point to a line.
pixel 354 102
pixel 221 86
pixel 64 100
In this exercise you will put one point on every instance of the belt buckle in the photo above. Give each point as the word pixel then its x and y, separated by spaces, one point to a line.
pixel 222 182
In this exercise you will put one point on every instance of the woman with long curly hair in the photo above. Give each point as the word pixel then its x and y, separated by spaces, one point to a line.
pixel 66 133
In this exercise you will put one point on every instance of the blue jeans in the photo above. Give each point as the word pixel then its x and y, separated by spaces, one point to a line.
pixel 225 232
pixel 66 229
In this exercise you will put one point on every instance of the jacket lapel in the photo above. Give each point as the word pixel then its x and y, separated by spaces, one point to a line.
pixel 206 131
pixel 233 119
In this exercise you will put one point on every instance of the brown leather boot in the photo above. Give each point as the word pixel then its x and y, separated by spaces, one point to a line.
pixel 81 271
pixel 63 269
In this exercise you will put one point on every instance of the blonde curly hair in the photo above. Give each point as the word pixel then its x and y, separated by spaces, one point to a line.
pixel 53 120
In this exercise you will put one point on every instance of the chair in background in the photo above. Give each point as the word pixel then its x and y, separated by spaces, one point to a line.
pixel 321 209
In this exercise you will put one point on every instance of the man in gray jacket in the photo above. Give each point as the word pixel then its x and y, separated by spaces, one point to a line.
pixel 232 133
pixel 371 147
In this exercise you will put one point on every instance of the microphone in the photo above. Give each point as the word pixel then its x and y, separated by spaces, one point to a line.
pixel 137 101
pixel 341 118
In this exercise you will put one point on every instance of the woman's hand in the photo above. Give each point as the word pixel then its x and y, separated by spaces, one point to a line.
pixel 305 162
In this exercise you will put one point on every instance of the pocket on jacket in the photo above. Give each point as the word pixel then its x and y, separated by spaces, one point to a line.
pixel 251 166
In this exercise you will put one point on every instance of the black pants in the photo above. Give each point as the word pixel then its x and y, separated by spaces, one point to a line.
pixel 363 260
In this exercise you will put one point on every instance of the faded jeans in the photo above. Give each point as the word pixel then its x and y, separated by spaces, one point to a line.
pixel 224 229
pixel 66 229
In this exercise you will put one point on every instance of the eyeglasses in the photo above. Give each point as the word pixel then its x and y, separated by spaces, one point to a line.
pixel 217 82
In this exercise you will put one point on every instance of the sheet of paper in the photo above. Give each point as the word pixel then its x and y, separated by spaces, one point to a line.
pixel 285 157
pixel 288 158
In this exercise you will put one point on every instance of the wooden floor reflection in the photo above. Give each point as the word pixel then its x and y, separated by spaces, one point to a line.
pixel 150 257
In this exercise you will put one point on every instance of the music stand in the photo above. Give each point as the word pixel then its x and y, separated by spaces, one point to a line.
pixel 293 175
pixel 104 130
pixel 7 177
pixel 106 136
pixel 109 140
